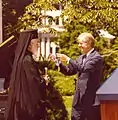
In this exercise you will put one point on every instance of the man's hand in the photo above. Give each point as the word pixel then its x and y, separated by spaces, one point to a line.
pixel 52 58
pixel 62 57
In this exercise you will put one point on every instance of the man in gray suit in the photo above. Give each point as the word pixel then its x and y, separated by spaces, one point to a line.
pixel 89 68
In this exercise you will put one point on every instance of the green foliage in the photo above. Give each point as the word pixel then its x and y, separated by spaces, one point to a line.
pixel 95 14
pixel 60 85
pixel 110 56
pixel 32 16
pixel 64 84
pixel 68 104
pixel 11 11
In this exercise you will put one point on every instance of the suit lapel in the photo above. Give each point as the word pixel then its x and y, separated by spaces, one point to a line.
pixel 89 57
pixel 81 63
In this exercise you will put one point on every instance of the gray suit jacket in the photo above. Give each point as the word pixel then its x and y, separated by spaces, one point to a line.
pixel 89 77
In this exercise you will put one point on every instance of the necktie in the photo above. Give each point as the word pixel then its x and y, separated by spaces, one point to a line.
pixel 84 57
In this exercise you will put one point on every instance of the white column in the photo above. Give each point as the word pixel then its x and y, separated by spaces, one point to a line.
pixel 1 39
pixel 60 21
pixel 48 47
pixel 43 21
pixel 53 48
pixel 47 21
pixel 43 46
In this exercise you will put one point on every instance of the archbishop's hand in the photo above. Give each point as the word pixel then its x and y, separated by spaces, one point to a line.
pixel 52 57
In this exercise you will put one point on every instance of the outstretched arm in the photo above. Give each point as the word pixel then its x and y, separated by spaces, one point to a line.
pixel 71 69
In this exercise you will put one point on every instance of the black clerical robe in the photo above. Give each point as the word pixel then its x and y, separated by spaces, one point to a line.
pixel 27 95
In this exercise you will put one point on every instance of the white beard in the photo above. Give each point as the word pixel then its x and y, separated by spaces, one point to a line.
pixel 36 57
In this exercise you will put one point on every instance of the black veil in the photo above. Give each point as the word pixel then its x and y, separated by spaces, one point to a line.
pixel 23 42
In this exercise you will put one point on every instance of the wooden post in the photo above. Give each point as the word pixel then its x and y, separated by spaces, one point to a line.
pixel 108 95
pixel 109 110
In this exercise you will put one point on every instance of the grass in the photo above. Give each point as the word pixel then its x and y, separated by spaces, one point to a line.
pixel 68 104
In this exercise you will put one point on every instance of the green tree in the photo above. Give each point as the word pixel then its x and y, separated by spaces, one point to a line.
pixel 12 9
pixel 90 16
pixel 33 13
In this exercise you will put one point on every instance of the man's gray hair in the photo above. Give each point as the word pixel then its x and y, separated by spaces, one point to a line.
pixel 87 37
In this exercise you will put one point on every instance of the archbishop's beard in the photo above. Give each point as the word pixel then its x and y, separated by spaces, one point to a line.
pixel 36 55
